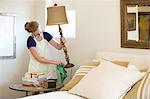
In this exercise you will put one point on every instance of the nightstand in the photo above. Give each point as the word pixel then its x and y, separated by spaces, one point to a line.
pixel 17 86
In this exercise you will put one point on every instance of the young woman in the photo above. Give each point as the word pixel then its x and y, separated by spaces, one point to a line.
pixel 37 45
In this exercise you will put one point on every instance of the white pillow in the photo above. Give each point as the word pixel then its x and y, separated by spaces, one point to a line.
pixel 108 81
pixel 141 68
pixel 132 67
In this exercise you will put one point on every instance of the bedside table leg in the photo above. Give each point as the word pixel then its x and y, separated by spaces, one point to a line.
pixel 26 93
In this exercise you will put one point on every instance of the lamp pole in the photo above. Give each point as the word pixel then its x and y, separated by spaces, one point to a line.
pixel 68 65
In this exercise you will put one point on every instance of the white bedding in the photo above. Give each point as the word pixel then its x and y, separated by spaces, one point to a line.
pixel 53 95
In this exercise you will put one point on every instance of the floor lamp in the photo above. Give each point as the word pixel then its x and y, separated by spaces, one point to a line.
pixel 56 15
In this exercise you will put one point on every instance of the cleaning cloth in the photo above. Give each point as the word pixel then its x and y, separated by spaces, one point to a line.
pixel 62 71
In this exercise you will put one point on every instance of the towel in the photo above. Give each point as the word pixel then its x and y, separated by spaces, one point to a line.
pixel 62 71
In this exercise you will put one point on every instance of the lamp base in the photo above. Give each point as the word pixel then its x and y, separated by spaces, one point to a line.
pixel 69 65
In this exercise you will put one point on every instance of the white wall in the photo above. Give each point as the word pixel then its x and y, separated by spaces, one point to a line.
pixel 13 69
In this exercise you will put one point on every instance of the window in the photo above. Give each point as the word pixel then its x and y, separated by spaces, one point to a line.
pixel 7 36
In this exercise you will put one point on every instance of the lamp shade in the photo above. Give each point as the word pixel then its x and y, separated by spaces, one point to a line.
pixel 56 15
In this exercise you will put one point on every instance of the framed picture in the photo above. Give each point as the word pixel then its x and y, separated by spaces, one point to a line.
pixel 131 20
pixel 7 36
pixel 144 26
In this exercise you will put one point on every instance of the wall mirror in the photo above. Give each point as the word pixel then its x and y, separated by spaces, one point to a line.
pixel 7 36
pixel 135 23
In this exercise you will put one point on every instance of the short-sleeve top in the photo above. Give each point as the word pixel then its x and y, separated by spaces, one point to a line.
pixel 31 42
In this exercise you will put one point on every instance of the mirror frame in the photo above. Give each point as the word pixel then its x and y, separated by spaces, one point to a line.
pixel 123 12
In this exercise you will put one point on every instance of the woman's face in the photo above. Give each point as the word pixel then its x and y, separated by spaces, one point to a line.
pixel 37 32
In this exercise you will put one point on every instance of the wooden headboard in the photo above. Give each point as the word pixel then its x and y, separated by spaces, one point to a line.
pixel 141 61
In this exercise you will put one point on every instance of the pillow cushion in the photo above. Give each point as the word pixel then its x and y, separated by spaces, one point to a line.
pixel 80 73
pixel 141 68
pixel 72 83
pixel 83 70
pixel 132 67
pixel 121 63
pixel 132 93
pixel 107 81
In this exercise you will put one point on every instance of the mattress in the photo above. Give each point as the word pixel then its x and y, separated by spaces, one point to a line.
pixel 54 95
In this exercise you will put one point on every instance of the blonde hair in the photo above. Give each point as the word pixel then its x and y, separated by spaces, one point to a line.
pixel 31 26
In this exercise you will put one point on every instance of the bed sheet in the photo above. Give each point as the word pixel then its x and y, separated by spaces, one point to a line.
pixel 53 95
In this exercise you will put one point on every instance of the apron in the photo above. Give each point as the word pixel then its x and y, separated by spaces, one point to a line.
pixel 35 66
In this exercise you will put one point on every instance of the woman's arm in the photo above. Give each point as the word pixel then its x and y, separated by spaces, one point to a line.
pixel 57 45
pixel 41 59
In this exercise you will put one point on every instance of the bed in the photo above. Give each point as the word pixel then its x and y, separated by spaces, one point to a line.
pixel 54 95
pixel 140 90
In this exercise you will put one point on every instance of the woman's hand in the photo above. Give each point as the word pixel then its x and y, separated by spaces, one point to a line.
pixel 59 62
pixel 62 40
pixel 57 45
